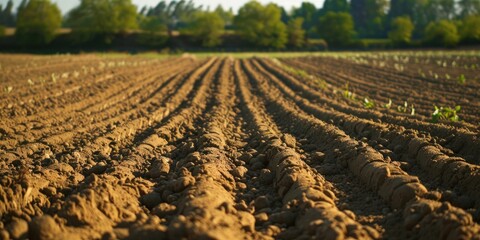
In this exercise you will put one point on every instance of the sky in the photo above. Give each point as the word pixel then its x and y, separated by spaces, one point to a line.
pixel 67 5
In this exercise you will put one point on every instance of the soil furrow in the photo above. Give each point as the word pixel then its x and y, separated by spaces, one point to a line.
pixel 394 185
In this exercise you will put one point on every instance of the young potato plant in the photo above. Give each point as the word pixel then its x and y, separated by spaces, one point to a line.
pixel 347 93
pixel 388 105
pixel 8 89
pixel 445 114
pixel 404 108
pixel 368 104
pixel 461 79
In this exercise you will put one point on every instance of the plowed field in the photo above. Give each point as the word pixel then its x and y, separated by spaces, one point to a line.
pixel 224 148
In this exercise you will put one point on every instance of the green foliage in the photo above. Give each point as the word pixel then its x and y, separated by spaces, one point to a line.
pixel 102 18
pixel 469 7
pixel 261 25
pixel 227 16
pixel 402 29
pixel 207 28
pixel 461 79
pixel 335 6
pixel 307 11
pixel 367 103
pixel 442 33
pixel 388 105
pixel 404 108
pixel 176 14
pixel 154 29
pixel 337 28
pixel 445 114
pixel 369 17
pixel 347 93
pixel 2 31
pixel 38 22
pixel 6 15
pixel 469 29
pixel 296 34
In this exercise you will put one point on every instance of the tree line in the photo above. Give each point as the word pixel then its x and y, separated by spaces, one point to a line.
pixel 341 23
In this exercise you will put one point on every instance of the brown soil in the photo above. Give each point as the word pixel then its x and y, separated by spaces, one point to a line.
pixel 222 148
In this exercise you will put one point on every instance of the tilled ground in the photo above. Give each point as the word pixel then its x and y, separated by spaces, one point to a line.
pixel 221 148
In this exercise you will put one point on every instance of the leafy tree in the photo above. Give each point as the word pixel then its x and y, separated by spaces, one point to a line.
pixel 102 18
pixel 442 33
pixel 38 22
pixel 227 16
pixel 176 14
pixel 307 11
pixel 261 25
pixel 154 29
pixel 22 6
pixel 6 16
pixel 369 17
pixel 296 34
pixel 335 6
pixel 402 29
pixel 399 8
pixel 469 7
pixel 440 9
pixel 337 28
pixel 207 28
pixel 469 29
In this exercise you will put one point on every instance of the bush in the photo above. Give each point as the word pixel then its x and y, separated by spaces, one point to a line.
pixel 207 28
pixel 469 29
pixel 401 33
pixel 296 34
pixel 38 22
pixel 337 28
pixel 261 25
pixel 442 33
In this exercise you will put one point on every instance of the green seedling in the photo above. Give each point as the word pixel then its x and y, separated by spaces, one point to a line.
pixel 461 79
pixel 8 89
pixel 405 108
pixel 445 114
pixel 347 94
pixel 369 104
pixel 388 105
pixel 54 78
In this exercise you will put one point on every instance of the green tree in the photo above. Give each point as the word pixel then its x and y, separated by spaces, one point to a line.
pixel 207 28
pixel 6 16
pixel 469 7
pixel 402 29
pixel 337 28
pixel 307 11
pixel 38 22
pixel 369 17
pixel 261 25
pixel 335 6
pixel 442 33
pixel 296 34
pixel 176 14
pixel 102 18
pixel 154 31
pixel 227 16
pixel 469 29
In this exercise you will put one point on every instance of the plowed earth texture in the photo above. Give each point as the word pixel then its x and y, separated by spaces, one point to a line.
pixel 223 148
